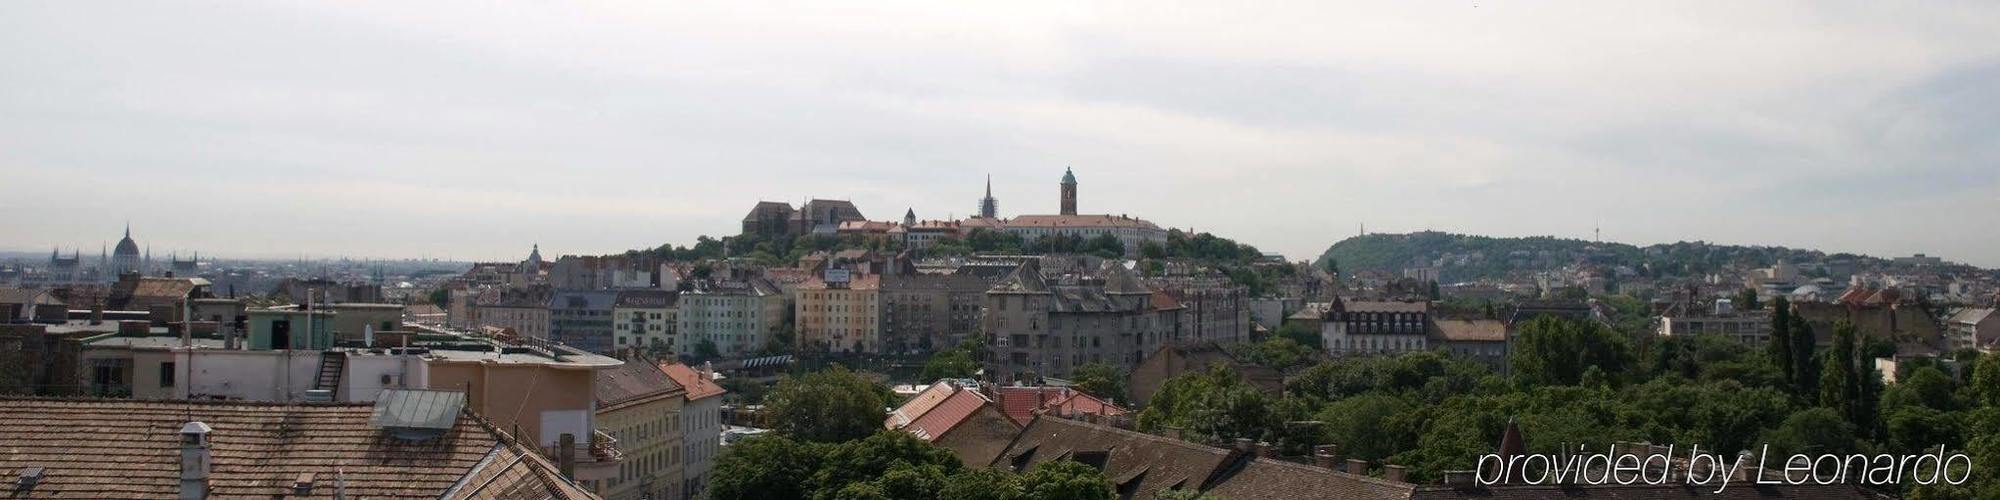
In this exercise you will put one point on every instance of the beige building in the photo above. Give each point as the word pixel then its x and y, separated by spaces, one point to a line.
pixel 840 312
pixel 640 407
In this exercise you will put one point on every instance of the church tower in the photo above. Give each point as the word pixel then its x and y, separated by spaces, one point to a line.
pixel 989 207
pixel 1068 192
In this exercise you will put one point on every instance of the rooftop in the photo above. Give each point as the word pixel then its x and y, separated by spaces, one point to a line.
pixel 132 449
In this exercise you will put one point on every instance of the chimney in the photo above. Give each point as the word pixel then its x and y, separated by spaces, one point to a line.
pixel 97 315
pixel 194 461
pixel 1265 450
pixel 1357 467
pixel 1327 456
pixel 1396 473
pixel 1173 432
pixel 303 486
pixel 566 455
pixel 1245 445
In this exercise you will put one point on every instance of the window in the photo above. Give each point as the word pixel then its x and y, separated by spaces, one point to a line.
pixel 167 374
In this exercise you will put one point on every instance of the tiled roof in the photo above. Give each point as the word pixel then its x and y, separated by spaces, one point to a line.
pixel 27 296
pixel 633 382
pixel 1670 491
pixel 1480 330
pixel 919 404
pixel 1020 403
pixel 1026 278
pixel 697 385
pixel 131 449
pixel 1391 306
pixel 1971 316
pixel 1157 463
pixel 1265 478
pixel 947 414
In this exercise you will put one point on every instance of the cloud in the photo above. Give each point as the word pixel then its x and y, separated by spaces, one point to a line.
pixel 473 129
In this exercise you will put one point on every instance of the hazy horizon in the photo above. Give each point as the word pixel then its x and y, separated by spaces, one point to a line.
pixel 474 130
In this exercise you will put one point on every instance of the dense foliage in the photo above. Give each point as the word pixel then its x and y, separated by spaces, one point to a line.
pixel 1499 257
pixel 886 465
pixel 828 406
pixel 1577 383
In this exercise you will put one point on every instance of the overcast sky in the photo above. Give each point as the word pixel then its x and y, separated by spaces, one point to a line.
pixel 473 130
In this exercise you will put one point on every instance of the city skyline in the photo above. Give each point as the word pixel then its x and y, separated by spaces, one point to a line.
pixel 378 131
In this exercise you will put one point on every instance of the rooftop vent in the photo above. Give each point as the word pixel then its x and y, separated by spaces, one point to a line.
pixel 417 415
pixel 30 476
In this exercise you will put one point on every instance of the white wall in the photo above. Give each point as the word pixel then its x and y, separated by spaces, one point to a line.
pixel 279 375
pixel 362 381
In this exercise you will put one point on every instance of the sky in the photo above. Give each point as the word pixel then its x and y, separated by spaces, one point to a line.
pixel 473 130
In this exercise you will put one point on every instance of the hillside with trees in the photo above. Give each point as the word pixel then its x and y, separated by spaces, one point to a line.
pixel 1463 257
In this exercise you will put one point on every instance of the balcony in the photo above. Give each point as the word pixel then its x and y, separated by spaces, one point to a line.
pixel 599 459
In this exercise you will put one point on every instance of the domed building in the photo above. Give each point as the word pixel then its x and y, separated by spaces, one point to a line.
pixel 125 258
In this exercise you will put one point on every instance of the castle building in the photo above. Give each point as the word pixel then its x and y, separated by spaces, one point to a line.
pixel 1130 231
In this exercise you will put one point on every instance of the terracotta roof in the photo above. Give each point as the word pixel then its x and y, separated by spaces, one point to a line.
pixel 1020 403
pixel 1478 330
pixel 131 449
pixel 919 404
pixel 947 414
pixel 698 386
pixel 633 382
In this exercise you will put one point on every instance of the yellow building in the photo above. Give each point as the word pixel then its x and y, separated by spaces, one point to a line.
pixel 840 312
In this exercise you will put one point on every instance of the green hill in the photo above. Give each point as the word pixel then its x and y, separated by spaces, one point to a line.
pixel 1462 257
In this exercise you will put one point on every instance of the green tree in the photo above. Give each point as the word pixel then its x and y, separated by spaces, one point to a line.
pixel 1840 381
pixel 983 483
pixel 1780 346
pixel 828 406
pixel 909 465
pixel 1278 353
pixel 1301 334
pixel 770 466
pixel 950 363
pixel 1747 300
pixel 1805 369
pixel 1986 380
pixel 1928 387
pixel 705 349
pixel 1066 480
pixel 1100 379
pixel 1435 294
pixel 1556 351
pixel 1213 405
pixel 1812 431
pixel 1365 426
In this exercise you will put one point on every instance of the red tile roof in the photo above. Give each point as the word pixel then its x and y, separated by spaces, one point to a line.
pixel 1020 403
pixel 919 404
pixel 947 414
pixel 698 386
